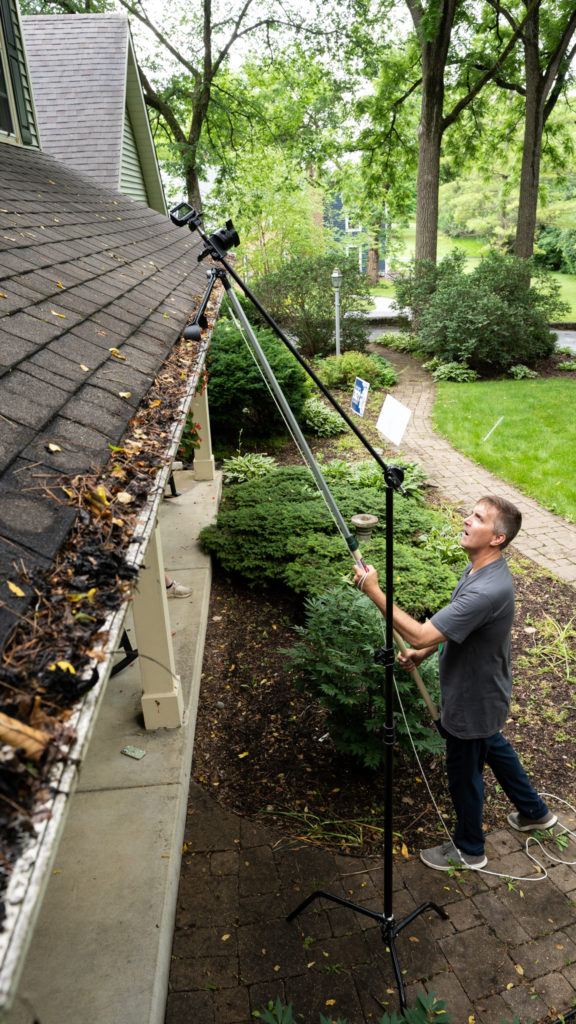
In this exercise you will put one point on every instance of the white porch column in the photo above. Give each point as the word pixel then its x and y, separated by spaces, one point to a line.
pixel 204 467
pixel 162 703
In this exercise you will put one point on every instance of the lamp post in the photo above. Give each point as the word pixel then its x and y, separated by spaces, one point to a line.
pixel 336 280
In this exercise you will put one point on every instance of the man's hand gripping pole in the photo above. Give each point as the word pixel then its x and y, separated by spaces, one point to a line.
pixel 434 713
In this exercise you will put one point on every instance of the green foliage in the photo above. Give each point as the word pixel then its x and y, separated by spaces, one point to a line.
pixel 239 468
pixel 570 365
pixel 279 529
pixel 369 473
pixel 300 298
pixel 341 371
pixel 239 397
pixel 458 372
pixel 320 419
pixel 334 663
pixel 400 341
pixel 426 1010
pixel 521 372
pixel 489 319
pixel 555 248
pixel 190 439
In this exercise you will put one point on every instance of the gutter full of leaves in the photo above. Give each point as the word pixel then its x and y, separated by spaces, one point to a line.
pixel 54 668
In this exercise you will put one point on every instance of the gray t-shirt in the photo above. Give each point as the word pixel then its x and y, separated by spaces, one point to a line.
pixel 475 674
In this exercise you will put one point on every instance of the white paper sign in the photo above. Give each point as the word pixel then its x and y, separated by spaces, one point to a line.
pixel 359 396
pixel 393 419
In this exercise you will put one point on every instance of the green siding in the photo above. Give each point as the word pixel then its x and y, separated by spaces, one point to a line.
pixel 131 177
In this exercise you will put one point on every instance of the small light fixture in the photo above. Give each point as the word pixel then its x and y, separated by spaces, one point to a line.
pixel 336 280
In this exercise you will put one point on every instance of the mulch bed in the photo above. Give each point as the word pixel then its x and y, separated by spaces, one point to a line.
pixel 261 746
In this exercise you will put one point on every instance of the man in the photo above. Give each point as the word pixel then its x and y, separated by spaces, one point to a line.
pixel 473 634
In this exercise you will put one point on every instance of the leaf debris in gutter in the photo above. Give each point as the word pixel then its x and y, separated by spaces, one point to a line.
pixel 51 658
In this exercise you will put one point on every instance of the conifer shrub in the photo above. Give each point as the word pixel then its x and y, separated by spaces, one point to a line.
pixel 334 663
pixel 239 396
pixel 279 530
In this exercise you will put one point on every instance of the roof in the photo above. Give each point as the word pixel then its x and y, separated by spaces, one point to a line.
pixel 85 81
pixel 95 290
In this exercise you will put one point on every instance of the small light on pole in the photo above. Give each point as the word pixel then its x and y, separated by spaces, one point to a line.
pixel 336 280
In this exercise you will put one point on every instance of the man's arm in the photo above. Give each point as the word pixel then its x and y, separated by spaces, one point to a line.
pixel 422 636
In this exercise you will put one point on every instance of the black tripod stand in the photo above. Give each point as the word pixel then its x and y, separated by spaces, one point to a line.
pixel 216 246
pixel 389 927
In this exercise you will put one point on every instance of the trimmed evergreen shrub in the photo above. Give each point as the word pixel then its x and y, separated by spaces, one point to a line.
pixel 239 396
pixel 334 663
pixel 278 529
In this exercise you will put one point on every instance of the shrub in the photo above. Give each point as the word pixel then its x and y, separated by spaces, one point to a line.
pixel 521 372
pixel 300 299
pixel 319 419
pixel 457 372
pixel 239 396
pixel 334 663
pixel 555 248
pixel 489 319
pixel 341 371
pixel 570 365
pixel 239 468
pixel 278 529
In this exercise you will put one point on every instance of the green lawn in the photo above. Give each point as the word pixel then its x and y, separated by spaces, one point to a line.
pixel 533 447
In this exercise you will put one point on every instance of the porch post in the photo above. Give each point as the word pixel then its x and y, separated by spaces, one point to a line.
pixel 204 468
pixel 162 703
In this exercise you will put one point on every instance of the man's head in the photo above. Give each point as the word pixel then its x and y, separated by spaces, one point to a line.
pixel 493 523
pixel 508 518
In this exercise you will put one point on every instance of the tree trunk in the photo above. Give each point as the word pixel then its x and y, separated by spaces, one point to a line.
pixel 372 262
pixel 193 188
pixel 434 56
pixel 532 147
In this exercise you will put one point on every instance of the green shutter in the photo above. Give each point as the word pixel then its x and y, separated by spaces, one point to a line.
pixel 17 71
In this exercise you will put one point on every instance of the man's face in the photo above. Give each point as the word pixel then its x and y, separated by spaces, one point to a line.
pixel 478 532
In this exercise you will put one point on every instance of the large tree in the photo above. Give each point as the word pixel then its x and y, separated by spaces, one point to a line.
pixel 547 35
pixel 446 57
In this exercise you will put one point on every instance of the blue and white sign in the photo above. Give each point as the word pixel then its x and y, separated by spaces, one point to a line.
pixel 360 396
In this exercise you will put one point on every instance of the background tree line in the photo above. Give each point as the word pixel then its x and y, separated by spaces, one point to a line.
pixel 265 110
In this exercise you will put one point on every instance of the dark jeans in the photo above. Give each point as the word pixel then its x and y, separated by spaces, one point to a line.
pixel 465 760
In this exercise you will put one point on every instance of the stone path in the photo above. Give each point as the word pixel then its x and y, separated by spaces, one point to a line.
pixel 507 950
pixel 546 538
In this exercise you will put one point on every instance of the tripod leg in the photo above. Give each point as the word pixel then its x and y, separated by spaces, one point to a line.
pixel 334 899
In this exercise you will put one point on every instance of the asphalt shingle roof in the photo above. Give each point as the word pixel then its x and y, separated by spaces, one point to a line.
pixel 78 68
pixel 83 270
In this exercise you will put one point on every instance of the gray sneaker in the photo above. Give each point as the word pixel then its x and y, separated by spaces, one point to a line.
pixel 524 824
pixel 178 590
pixel 442 858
